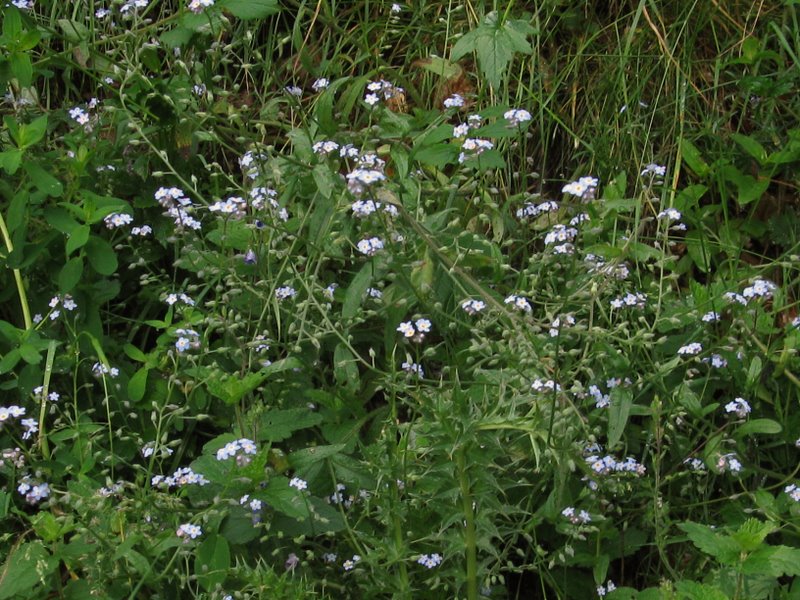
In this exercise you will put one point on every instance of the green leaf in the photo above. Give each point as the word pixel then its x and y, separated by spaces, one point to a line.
pixel 10 160
pixel 693 159
pixel 17 211
pixel 32 133
pixel 74 31
pixel 748 187
pixel 78 238
pixel 43 180
pixel 46 527
pixel 692 590
pixel 345 368
pixel 9 361
pixel 440 66
pixel 101 255
pixel 618 412
pixel 284 499
pixel 356 291
pixel 718 545
pixel 30 354
pixel 436 155
pixel 12 25
pixel 25 568
pixel 776 561
pixel 59 219
pixel 250 9
pixel 324 179
pixel 278 425
pixel 762 426
pixel 212 561
pixel 751 146
pixel 303 459
pixel 752 533
pixel 138 384
pixel 495 45
pixel 232 388
pixel 70 274
pixel 22 68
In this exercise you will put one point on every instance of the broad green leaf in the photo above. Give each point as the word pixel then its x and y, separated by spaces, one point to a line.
pixel 761 426
pixel 698 250
pixel 10 360
pixel 356 291
pixel 30 354
pixel 74 31
pixel 138 384
pixel 70 274
pixel 748 187
pixel 752 533
pixel 17 211
pixel 10 160
pixel 776 561
pixel 25 567
pixel 439 66
pixel 12 25
pixel 692 590
pixel 693 159
pixel 495 44
pixel 43 180
pixel 345 368
pixel 22 68
pixel 278 425
pixel 212 561
pixel 32 133
pixel 306 457
pixel 712 542
pixel 324 179
pixel 436 155
pixel 59 219
pixel 284 499
pixel 46 527
pixel 323 109
pixel 250 9
pixel 101 255
pixel 751 146
pixel 77 238
pixel 618 412
pixel 232 388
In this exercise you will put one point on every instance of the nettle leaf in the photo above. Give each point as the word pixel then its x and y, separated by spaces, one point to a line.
pixel 776 561
pixel 250 9
pixel 278 425
pixel 722 547
pixel 495 44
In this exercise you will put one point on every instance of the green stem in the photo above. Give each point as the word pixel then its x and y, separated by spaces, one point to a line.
pixel 470 537
pixel 23 297
pixel 48 371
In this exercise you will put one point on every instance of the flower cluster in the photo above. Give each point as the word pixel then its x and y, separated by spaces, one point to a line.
pixel 384 89
pixel 350 564
pixel 519 302
pixel 237 448
pixel 10 412
pixel 739 406
pixel 235 206
pixel 255 504
pixel 607 465
pixel 173 298
pixel 82 116
pixel 188 339
pixel 413 368
pixel 298 484
pixel 690 349
pixel 601 400
pixel 629 300
pixel 360 179
pixel 33 490
pixel 325 147
pixel 454 101
pixel 339 497
pixel 548 385
pixel 115 220
pixel 249 163
pixel 607 589
pixel 99 369
pixel 430 560
pixel 181 477
pixel 198 6
pixel 189 531
pixel 178 207
pixel 472 147
pixel 729 462
pixel 584 188
pixel 282 293
pixel 794 492
pixel 531 211
pixel 473 307
pixel 370 246
pixel 517 116
pixel 580 518
pixel 653 171
pixel 415 330
pixel 598 264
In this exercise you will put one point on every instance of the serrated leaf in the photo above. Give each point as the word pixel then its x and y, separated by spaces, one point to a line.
pixel 776 561
pixel 720 546
pixel 302 459
pixel 278 425
pixel 24 568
